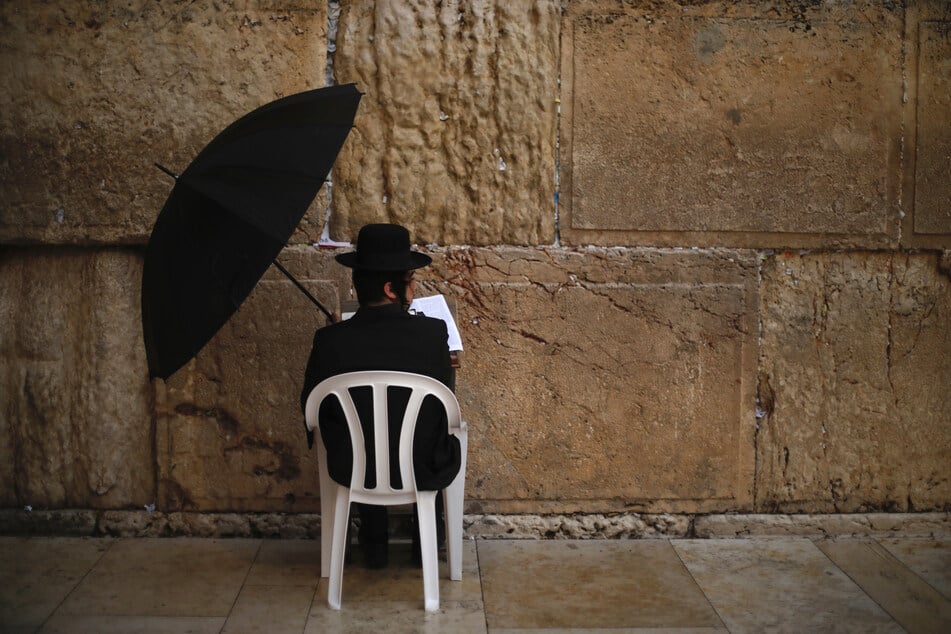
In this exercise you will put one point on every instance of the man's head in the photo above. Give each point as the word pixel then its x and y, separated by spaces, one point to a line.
pixel 384 287
pixel 383 265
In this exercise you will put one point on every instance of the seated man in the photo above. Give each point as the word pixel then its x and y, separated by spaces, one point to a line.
pixel 383 335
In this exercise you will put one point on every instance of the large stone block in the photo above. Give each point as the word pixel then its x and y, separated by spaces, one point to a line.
pixel 932 213
pixel 741 124
pixel 91 94
pixel 594 380
pixel 75 423
pixel 455 137
pixel 230 430
pixel 855 369
pixel 605 379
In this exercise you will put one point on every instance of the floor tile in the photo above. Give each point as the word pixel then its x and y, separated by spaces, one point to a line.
pixel 270 610
pixel 589 584
pixel 69 624
pixel 36 574
pixel 164 577
pixel 904 595
pixel 784 585
pixel 930 559
pixel 396 617
pixel 286 562
pixel 402 581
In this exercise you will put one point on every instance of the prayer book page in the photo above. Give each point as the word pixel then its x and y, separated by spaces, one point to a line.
pixel 436 306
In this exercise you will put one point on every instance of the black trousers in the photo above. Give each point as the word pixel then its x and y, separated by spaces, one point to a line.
pixel 374 523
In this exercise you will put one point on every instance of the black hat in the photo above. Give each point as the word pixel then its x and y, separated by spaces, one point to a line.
pixel 383 247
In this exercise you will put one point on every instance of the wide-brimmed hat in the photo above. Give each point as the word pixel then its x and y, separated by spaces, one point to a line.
pixel 383 247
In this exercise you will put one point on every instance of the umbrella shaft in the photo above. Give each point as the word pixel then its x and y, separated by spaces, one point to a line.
pixel 167 171
pixel 304 291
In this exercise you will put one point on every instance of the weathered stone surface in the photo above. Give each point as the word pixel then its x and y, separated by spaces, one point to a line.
pixel 578 526
pixel 933 153
pixel 832 525
pixel 91 94
pixel 455 137
pixel 75 422
pixel 156 524
pixel 855 368
pixel 743 130
pixel 142 523
pixel 230 430
pixel 75 522
pixel 605 379
pixel 598 380
pixel 614 360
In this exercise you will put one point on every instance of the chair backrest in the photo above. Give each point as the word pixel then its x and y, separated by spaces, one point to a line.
pixel 380 381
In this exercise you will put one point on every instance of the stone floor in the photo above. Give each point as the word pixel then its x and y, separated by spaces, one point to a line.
pixel 78 585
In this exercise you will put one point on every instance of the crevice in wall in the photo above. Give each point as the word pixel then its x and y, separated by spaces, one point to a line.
pixel 904 123
pixel 556 202
pixel 761 408
pixel 333 22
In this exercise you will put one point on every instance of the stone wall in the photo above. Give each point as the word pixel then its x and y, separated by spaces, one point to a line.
pixel 700 251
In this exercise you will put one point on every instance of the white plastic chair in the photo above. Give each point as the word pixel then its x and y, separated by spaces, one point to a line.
pixel 335 499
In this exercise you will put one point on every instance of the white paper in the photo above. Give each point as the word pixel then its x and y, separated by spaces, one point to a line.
pixel 436 306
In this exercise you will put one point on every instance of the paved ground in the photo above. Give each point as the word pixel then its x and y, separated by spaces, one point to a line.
pixel 78 585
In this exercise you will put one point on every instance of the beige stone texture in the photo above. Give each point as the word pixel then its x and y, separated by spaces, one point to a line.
pixel 37 575
pixel 605 379
pixel 854 373
pixel 583 373
pixel 620 525
pixel 75 421
pixel 230 430
pixel 730 526
pixel 929 559
pixel 526 585
pixel 91 94
pixel 635 359
pixel 903 594
pixel 579 526
pixel 762 585
pixel 164 577
pixel 760 125
pixel 455 137
pixel 932 213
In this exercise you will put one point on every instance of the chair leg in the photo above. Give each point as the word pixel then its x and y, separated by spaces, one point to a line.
pixel 426 518
pixel 454 497
pixel 328 496
pixel 341 514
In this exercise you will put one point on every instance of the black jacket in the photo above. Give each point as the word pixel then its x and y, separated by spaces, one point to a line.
pixel 385 338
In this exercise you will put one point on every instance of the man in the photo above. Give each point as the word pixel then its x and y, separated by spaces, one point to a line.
pixel 383 335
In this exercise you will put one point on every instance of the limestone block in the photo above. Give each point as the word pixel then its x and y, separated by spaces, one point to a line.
pixel 759 126
pixel 584 372
pixel 855 369
pixel 933 153
pixel 831 525
pixel 75 425
pixel 91 94
pixel 230 429
pixel 455 137
pixel 59 522
pixel 580 526
pixel 605 379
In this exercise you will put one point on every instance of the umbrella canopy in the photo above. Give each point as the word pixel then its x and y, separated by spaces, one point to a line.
pixel 230 213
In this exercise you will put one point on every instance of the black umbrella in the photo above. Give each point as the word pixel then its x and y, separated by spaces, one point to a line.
pixel 229 215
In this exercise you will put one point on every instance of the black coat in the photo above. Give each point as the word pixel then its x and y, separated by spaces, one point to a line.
pixel 385 338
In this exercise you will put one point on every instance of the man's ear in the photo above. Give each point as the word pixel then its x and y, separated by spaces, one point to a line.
pixel 390 294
